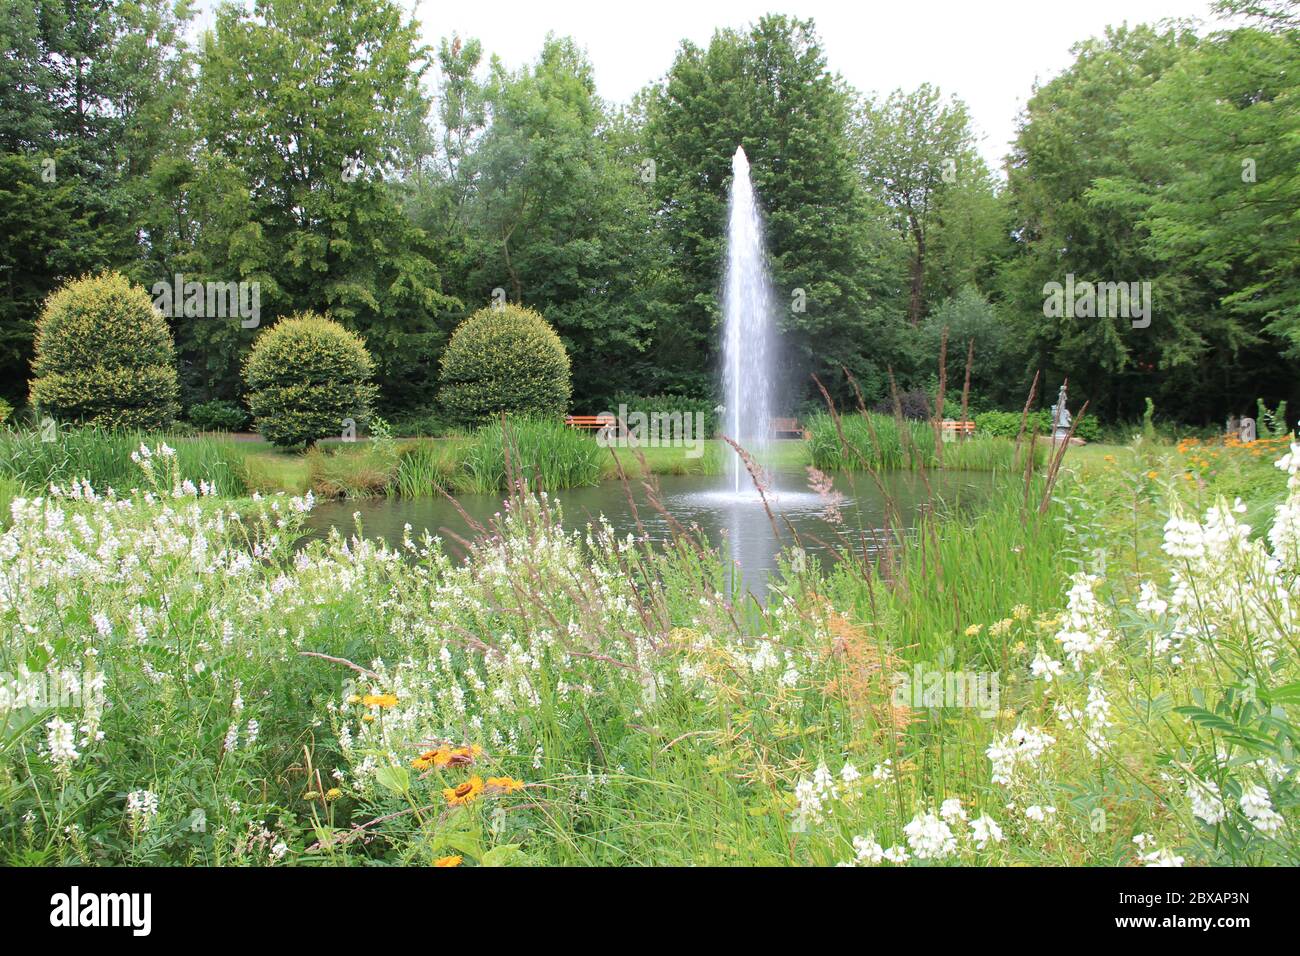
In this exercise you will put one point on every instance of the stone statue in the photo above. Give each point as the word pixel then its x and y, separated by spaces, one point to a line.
pixel 1060 418
pixel 1246 433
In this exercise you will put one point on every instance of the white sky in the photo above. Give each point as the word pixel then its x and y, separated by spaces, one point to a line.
pixel 988 53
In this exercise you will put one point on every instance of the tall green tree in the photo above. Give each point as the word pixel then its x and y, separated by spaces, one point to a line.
pixel 913 149
pixel 90 96
pixel 1214 189
pixel 832 259
pixel 303 110
pixel 1070 136
pixel 562 222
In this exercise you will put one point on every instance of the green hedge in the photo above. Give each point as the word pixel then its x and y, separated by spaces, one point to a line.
pixel 1007 424
pixel 104 356
pixel 218 416
pixel 504 359
pixel 306 377
pixel 669 404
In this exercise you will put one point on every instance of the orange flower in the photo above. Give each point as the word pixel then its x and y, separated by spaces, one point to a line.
pixel 449 861
pixel 447 757
pixel 380 700
pixel 504 784
pixel 467 792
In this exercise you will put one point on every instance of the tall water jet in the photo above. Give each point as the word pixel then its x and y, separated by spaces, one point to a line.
pixel 748 337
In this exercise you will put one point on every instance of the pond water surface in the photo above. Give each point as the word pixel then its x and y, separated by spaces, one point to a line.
pixel 737 525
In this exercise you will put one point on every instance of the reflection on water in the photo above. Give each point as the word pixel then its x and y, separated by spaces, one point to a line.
pixel 738 524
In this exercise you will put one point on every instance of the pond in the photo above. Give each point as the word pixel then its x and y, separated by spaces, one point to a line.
pixel 736 524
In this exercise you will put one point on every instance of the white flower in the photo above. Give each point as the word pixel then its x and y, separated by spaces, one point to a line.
pixel 1161 858
pixel 896 854
pixel 983 829
pixel 141 807
pixel 1258 809
pixel 929 837
pixel 951 810
pixel 1022 747
pixel 62 742
pixel 1207 805
pixel 1149 601
pixel 868 850
pixel 1085 629
pixel 1044 667
pixel 1038 814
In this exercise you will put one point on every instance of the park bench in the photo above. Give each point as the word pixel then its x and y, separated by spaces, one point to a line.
pixel 788 427
pixel 955 427
pixel 590 422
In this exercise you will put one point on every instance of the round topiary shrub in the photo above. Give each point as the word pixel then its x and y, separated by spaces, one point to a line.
pixel 307 376
pixel 104 356
pixel 504 359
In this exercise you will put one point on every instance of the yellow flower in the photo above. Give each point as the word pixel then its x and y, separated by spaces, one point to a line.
pixel 380 700
pixel 1152 475
pixel 974 629
pixel 467 792
pixel 1020 612
pixel 504 784
pixel 354 699
pixel 333 793
pixel 449 861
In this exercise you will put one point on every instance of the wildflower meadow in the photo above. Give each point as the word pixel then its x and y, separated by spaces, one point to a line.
pixel 186 683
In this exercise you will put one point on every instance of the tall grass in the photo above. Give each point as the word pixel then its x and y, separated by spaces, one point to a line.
pixel 425 468
pixel 886 444
pixel 103 457
pixel 548 454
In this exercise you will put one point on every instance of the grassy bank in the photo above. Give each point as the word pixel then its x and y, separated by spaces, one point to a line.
pixel 547 454
pixel 1051 681
pixel 861 441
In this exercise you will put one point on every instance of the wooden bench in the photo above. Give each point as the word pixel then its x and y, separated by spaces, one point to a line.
pixel 591 423
pixel 958 428
pixel 788 427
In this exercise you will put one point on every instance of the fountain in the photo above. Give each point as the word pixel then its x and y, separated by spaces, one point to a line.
pixel 748 337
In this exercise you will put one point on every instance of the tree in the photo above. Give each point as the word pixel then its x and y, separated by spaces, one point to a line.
pixel 89 99
pixel 302 110
pixel 912 146
pixel 769 90
pixel 561 220
pixel 1214 190
pixel 504 359
pixel 1071 136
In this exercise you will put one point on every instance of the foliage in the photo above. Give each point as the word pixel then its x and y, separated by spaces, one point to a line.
pixel 104 356
pixel 545 453
pixel 1008 424
pixel 504 359
pixel 294 196
pixel 33 459
pixel 218 415
pixel 769 90
pixel 307 377
pixel 1142 718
